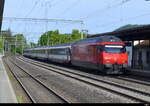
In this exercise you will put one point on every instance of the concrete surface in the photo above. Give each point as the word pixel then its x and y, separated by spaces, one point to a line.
pixel 7 94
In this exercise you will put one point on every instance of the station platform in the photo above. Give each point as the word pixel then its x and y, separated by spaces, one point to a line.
pixel 143 73
pixel 7 94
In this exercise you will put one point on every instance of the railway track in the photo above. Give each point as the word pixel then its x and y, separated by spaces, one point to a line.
pixel 123 78
pixel 128 92
pixel 129 78
pixel 52 96
pixel 24 88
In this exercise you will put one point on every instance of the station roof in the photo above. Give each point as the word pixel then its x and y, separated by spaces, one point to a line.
pixel 137 33
pixel 1 11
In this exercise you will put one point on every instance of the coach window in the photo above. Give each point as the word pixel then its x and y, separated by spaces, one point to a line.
pixel 52 51
pixel 49 51
pixel 100 48
pixel 147 57
pixel 39 51
pixel 43 51
pixel 56 51
pixel 63 52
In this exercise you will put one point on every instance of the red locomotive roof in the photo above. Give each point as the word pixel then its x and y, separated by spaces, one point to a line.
pixel 101 39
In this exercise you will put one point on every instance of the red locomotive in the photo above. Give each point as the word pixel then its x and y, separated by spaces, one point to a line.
pixel 106 53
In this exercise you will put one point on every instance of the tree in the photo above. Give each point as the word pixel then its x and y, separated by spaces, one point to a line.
pixel 32 45
pixel 55 37
pixel 43 39
pixel 76 35
pixel 5 36
pixel 20 43
pixel 1 45
pixel 13 43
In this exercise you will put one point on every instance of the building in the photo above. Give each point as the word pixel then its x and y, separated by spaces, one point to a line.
pixel 142 55
pixel 1 11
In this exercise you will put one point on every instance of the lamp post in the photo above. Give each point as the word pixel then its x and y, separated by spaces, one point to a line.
pixel 46 17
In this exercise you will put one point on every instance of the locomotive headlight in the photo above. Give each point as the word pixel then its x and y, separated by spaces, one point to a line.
pixel 107 61
pixel 124 62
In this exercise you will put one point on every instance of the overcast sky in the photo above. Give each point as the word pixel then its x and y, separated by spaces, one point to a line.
pixel 99 16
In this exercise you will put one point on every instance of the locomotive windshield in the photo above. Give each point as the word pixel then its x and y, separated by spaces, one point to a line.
pixel 114 49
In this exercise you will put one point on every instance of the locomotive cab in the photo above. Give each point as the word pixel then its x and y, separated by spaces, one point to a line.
pixel 114 58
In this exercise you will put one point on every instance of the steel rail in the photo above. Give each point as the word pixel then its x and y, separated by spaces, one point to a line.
pixel 134 81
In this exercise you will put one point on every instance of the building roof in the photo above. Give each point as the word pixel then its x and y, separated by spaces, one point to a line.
pixel 138 33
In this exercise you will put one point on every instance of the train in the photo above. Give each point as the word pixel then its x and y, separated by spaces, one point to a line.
pixel 106 54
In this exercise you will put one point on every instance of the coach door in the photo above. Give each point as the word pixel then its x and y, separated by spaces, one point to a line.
pixel 68 52
pixel 140 62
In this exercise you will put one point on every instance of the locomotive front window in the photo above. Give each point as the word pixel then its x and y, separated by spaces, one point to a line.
pixel 114 49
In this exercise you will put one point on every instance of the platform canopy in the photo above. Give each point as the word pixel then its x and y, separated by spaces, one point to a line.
pixel 137 33
pixel 1 11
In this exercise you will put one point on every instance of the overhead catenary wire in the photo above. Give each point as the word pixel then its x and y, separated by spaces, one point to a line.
pixel 17 21
pixel 30 32
pixel 57 2
pixel 70 22
pixel 19 7
pixel 69 8
pixel 118 21
pixel 105 9
pixel 42 20
pixel 35 4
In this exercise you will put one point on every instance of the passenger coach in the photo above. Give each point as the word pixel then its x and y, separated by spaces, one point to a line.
pixel 57 53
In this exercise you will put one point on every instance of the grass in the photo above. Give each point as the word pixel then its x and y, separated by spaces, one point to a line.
pixel 20 99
